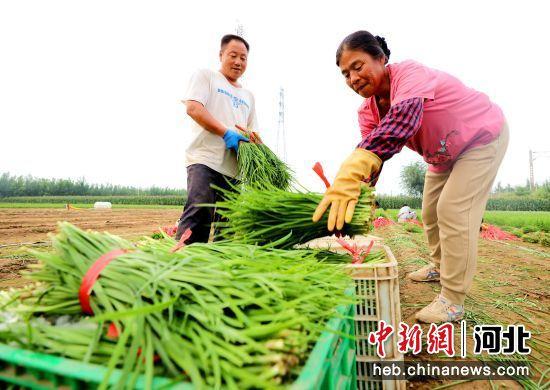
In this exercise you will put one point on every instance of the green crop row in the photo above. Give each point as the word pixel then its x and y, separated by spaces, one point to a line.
pixel 528 222
pixel 519 204
pixel 135 200
pixel 396 202
pixel 537 238
pixel 386 202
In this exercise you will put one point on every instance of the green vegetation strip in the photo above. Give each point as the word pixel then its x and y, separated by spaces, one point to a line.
pixel 130 200
pixel 86 206
pixel 531 221
pixel 386 202
pixel 515 204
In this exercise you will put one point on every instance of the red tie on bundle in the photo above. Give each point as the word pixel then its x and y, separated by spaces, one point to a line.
pixel 357 253
pixel 93 273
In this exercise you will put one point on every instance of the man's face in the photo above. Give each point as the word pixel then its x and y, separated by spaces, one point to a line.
pixel 233 57
pixel 364 74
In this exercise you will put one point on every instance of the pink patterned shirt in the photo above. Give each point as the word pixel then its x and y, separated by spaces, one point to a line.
pixel 455 118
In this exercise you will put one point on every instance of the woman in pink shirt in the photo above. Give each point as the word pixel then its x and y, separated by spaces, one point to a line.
pixel 458 131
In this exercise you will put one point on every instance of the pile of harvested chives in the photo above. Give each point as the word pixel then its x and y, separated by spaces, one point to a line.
pixel 227 315
pixel 258 166
pixel 267 215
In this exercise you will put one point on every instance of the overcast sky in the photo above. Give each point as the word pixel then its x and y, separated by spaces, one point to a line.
pixel 92 89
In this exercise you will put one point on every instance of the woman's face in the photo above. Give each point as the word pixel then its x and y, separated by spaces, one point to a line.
pixel 364 74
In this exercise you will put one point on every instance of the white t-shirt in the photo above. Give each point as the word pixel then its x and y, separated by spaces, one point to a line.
pixel 229 105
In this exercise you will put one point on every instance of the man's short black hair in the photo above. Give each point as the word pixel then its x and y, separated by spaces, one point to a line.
pixel 229 37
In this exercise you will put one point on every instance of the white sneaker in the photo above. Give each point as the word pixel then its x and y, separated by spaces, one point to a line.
pixel 428 273
pixel 440 310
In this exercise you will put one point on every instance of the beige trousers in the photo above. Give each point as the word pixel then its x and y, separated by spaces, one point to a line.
pixel 452 210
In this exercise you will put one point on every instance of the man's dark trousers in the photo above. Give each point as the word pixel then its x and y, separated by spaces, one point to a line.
pixel 199 191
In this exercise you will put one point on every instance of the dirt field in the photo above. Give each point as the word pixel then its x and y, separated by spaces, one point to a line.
pixel 511 284
pixel 32 225
pixel 510 287
pixel 24 228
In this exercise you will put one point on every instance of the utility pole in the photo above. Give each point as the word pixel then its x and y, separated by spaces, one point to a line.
pixel 281 136
pixel 239 30
pixel 532 157
pixel 531 173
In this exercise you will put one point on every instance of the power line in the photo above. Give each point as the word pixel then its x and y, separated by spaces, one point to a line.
pixel 281 136
pixel 239 29
pixel 532 157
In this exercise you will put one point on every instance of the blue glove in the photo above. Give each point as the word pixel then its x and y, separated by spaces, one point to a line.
pixel 232 139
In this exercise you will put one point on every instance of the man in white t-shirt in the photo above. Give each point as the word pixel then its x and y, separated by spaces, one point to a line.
pixel 217 103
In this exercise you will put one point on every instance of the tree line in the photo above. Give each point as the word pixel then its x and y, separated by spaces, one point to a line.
pixel 11 185
pixel 412 180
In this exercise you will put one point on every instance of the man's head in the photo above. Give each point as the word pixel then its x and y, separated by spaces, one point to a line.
pixel 233 56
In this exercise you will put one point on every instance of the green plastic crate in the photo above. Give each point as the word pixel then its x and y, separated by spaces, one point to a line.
pixel 331 365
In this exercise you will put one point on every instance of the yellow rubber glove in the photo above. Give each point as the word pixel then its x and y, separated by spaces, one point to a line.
pixel 343 194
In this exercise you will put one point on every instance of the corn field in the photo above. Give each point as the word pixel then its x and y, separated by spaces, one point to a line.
pixel 386 202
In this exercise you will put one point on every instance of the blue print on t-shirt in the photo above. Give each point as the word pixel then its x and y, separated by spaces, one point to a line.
pixel 237 101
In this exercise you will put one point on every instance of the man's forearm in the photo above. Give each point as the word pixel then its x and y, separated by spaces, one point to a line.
pixel 201 115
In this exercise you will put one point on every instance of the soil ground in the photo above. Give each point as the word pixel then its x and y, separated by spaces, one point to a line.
pixel 21 229
pixel 511 285
pixel 32 225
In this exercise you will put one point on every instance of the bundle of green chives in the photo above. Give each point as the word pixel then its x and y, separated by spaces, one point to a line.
pixel 266 215
pixel 227 315
pixel 258 166
pixel 71 340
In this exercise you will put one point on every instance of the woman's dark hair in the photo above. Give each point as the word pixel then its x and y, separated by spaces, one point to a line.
pixel 363 40
pixel 230 37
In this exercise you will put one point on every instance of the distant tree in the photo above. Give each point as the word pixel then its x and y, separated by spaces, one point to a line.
pixel 412 178
pixel 543 191
pixel 31 186
pixel 522 191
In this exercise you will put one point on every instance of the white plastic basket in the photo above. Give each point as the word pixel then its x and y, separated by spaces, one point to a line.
pixel 377 287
